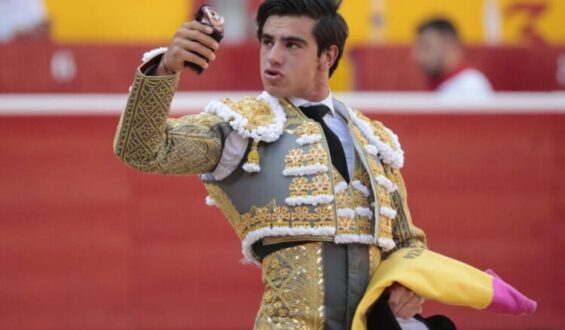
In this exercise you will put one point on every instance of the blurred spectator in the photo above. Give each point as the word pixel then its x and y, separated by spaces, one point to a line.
pixel 23 19
pixel 439 53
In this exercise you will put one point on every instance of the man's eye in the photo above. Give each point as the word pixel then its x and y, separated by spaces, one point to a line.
pixel 292 45
pixel 267 42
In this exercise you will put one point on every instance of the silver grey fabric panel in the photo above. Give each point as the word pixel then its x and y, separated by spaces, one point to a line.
pixel 346 276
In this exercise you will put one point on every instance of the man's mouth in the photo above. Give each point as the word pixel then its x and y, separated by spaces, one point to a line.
pixel 272 74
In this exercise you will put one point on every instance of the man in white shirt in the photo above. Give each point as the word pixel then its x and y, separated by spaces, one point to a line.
pixel 439 53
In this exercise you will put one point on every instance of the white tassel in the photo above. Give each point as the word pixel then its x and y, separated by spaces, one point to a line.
pixel 394 158
pixel 309 200
pixel 210 201
pixel 251 168
pixel 387 212
pixel 364 212
pixel 342 186
pixel 305 170
pixel 254 236
pixel 308 139
pixel 357 185
pixel 346 212
pixel 372 150
pixel 353 238
pixel 386 183
pixel 386 243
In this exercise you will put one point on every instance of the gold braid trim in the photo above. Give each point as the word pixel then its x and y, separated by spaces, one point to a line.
pixel 294 289
pixel 148 140
pixel 225 204
pixel 403 231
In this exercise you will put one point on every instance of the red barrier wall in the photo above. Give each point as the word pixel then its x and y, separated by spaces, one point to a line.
pixel 41 67
pixel 508 68
pixel 88 243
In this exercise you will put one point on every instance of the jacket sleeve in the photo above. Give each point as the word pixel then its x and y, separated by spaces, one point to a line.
pixel 148 140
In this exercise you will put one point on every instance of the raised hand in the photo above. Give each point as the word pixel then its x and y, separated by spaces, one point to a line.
pixel 192 43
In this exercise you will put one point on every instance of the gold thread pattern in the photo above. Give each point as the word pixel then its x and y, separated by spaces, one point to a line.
pixel 407 234
pixel 316 185
pixel 308 128
pixel 294 289
pixel 401 229
pixel 257 112
pixel 227 207
pixel 374 259
pixel 148 140
pixel 298 158
pixel 385 229
pixel 274 216
pixel 351 199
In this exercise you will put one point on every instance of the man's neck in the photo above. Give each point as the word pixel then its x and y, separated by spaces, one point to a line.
pixel 298 101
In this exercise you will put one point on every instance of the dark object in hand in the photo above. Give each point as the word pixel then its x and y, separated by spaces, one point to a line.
pixel 208 16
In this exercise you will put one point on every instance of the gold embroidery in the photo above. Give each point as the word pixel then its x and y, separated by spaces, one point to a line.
pixel 359 199
pixel 346 225
pixel 148 140
pixel 298 158
pixel 293 115
pixel 308 128
pixel 316 185
pixel 257 112
pixel 361 175
pixel 320 185
pixel 272 215
pixel 385 229
pixel 351 199
pixel 343 199
pixel 294 158
pixel 365 225
pixel 404 231
pixel 374 259
pixel 298 238
pixel 226 206
pixel 281 216
pixel 356 132
pixel 294 289
pixel 379 130
pixel 317 155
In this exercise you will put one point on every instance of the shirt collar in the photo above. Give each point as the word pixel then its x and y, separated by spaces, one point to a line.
pixel 328 101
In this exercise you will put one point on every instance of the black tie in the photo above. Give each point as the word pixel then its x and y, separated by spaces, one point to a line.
pixel 317 112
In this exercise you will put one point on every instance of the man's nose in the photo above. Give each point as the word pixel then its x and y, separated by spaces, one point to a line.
pixel 276 54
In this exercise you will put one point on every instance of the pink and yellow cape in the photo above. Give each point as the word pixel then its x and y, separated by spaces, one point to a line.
pixel 445 280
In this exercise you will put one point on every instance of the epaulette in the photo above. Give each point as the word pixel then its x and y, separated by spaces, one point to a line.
pixel 260 118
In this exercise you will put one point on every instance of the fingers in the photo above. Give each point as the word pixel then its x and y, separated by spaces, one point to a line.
pixel 197 48
pixel 404 303
pixel 199 32
pixel 399 296
pixel 191 43
pixel 411 308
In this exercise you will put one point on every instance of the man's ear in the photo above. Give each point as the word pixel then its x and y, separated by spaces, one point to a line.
pixel 328 58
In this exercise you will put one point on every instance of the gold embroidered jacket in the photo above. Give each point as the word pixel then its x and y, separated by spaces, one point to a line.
pixel 286 188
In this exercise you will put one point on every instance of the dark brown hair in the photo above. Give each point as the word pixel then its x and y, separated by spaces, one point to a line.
pixel 330 28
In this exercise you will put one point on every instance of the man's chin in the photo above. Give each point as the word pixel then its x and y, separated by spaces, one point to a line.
pixel 275 91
